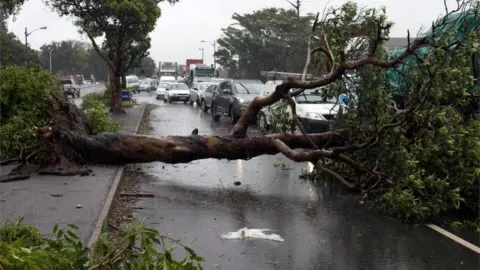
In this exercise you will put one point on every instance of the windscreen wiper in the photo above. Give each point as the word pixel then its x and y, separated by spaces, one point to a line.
pixel 244 87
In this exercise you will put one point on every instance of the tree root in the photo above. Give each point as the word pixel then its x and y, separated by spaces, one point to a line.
pixel 9 161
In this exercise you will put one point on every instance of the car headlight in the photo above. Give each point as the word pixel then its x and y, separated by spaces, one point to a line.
pixel 173 94
pixel 317 116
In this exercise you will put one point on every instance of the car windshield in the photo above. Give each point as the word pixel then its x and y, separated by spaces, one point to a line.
pixel 249 87
pixel 179 86
pixel 314 96
pixel 163 84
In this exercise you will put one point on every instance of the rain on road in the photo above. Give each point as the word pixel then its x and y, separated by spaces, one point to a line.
pixel 323 228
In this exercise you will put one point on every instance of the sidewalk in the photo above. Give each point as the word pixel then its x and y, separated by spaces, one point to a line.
pixel 44 201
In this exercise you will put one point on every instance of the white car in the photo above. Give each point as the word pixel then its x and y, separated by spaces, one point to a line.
pixel 162 85
pixel 197 92
pixel 176 92
pixel 314 111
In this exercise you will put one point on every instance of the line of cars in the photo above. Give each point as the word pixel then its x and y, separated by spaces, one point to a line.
pixel 231 98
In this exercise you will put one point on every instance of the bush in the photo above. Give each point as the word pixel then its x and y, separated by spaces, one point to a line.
pixel 99 119
pixel 24 102
pixel 22 247
pixel 89 100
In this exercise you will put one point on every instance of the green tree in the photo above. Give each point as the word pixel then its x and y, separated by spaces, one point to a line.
pixel 125 26
pixel 11 46
pixel 68 57
pixel 264 40
pixel 146 67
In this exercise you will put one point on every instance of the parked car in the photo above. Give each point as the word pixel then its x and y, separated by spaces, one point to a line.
pixel 197 92
pixel 146 85
pixel 70 88
pixel 233 98
pixel 206 100
pixel 176 92
pixel 314 110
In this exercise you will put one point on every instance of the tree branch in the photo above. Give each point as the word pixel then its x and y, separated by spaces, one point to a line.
pixel 240 129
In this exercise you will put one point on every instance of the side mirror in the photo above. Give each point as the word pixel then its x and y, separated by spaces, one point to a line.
pixel 227 91
pixel 195 88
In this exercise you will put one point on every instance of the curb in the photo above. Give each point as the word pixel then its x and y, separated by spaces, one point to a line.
pixel 107 206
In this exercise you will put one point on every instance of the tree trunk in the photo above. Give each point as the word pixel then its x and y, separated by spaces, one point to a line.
pixel 124 81
pixel 116 98
pixel 121 149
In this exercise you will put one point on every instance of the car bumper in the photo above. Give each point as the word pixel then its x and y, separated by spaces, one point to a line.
pixel 181 98
pixel 315 125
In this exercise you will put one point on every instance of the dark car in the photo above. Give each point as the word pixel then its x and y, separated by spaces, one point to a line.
pixel 233 97
pixel 70 88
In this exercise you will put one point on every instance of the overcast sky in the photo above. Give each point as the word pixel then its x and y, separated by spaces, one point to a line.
pixel 181 27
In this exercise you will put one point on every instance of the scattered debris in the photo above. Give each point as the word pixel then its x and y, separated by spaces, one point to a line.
pixel 79 206
pixel 252 233
pixel 56 195
pixel 237 183
pixel 137 194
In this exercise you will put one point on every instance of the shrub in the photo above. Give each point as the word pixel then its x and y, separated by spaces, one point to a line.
pixel 22 247
pixel 99 119
pixel 24 101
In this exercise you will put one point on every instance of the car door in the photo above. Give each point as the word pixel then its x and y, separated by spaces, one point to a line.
pixel 222 98
pixel 219 98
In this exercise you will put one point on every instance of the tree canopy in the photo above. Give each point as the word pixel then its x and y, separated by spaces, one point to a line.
pixel 13 51
pixel 125 26
pixel 267 39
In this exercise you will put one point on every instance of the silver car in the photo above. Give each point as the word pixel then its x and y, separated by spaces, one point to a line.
pixel 196 93
pixel 206 99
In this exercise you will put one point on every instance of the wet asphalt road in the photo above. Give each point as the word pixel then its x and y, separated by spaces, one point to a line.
pixel 322 227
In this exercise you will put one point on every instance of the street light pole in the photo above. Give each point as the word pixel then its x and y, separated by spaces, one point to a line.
pixel 51 61
pixel 202 49
pixel 26 39
pixel 214 44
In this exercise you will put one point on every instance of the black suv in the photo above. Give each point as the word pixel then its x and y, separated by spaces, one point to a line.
pixel 232 98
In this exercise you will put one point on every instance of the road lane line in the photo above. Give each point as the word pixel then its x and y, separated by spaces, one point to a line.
pixel 454 238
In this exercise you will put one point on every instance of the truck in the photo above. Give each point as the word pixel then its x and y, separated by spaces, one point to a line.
pixel 167 69
pixel 199 73
pixel 192 62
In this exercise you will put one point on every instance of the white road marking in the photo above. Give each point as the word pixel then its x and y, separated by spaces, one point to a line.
pixel 454 238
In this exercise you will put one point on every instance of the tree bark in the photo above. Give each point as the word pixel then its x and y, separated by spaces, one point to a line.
pixel 121 149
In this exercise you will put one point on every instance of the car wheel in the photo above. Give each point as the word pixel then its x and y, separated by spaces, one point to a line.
pixel 262 122
pixel 215 116
pixel 233 116
pixel 203 104
pixel 169 100
pixel 157 97
pixel 185 102
pixel 191 101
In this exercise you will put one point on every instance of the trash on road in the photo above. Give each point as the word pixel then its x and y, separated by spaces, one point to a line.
pixel 79 206
pixel 252 233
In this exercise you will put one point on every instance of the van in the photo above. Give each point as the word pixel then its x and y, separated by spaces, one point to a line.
pixel 132 82
pixel 314 111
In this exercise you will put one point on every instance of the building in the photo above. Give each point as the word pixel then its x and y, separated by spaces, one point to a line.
pixel 395 43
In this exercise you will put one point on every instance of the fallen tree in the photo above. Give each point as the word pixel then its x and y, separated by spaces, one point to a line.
pixel 402 152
